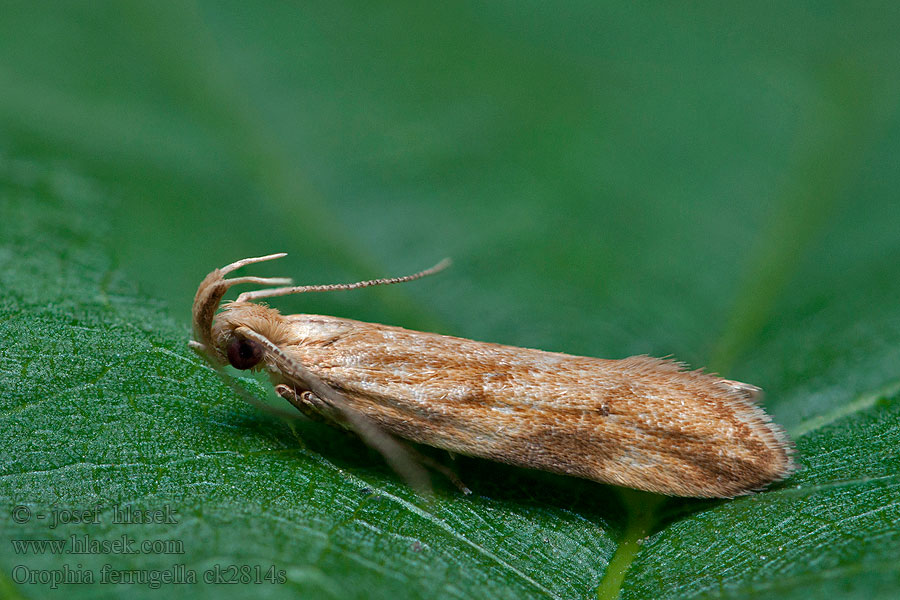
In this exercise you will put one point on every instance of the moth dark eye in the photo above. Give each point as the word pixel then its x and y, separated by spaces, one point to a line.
pixel 244 354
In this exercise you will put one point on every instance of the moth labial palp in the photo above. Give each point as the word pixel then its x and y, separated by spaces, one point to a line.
pixel 638 422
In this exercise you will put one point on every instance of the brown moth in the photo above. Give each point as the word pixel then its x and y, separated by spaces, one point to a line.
pixel 640 422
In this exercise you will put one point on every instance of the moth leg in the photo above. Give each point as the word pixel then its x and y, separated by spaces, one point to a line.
pixel 440 468
pixel 367 429
pixel 316 409
pixel 309 404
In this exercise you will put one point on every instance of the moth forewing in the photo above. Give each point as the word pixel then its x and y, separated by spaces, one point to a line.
pixel 640 422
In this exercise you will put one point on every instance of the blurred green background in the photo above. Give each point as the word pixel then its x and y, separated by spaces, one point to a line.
pixel 712 181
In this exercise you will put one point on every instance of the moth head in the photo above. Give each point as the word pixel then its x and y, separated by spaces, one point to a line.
pixel 219 337
pixel 248 336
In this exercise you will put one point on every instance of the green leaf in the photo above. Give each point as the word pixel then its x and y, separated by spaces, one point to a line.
pixel 707 182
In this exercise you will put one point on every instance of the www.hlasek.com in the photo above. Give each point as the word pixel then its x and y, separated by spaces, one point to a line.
pixel 87 544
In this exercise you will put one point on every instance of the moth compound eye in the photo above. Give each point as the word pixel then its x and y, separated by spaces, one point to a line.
pixel 244 354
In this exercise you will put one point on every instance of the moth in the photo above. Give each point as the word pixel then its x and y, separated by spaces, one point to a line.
pixel 638 422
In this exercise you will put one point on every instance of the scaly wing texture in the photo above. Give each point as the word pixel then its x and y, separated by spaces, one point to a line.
pixel 639 422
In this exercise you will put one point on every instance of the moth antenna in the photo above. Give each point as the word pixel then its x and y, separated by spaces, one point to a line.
pixel 300 289
pixel 214 286
pixel 396 455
